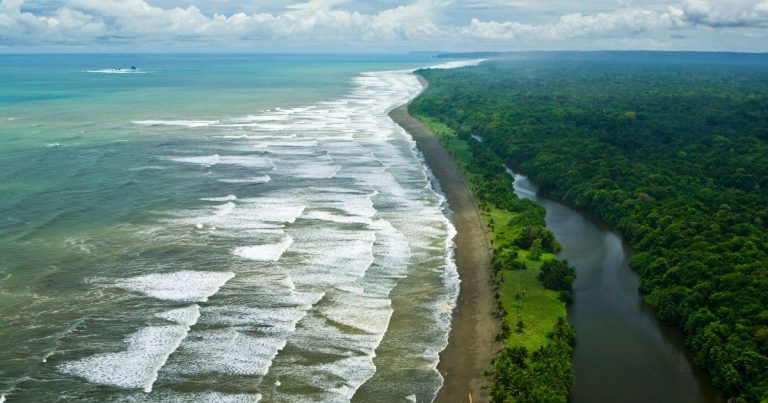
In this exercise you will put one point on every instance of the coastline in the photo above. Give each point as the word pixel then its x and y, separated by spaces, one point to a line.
pixel 472 340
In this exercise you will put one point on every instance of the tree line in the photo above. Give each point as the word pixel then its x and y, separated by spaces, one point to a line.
pixel 674 156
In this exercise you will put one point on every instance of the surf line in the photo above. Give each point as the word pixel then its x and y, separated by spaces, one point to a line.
pixel 149 348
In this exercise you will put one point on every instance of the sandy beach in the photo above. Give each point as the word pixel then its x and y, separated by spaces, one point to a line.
pixel 471 343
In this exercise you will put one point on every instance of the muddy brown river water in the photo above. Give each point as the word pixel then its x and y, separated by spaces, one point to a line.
pixel 623 353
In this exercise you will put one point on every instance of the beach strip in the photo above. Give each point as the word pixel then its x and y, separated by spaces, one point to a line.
pixel 472 341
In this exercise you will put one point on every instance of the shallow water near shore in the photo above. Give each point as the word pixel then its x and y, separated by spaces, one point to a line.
pixel 623 353
pixel 217 228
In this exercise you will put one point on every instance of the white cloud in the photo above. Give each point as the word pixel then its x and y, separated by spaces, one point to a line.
pixel 114 20
pixel 726 13
pixel 63 26
pixel 406 22
pixel 623 21
pixel 334 23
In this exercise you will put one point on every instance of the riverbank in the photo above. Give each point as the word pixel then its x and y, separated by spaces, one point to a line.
pixel 619 337
pixel 472 341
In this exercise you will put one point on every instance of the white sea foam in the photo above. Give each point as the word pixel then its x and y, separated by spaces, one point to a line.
pixel 203 160
pixel 353 204
pixel 184 285
pixel 265 126
pixel 216 216
pixel 228 351
pixel 336 218
pixel 181 123
pixel 262 137
pixel 363 305
pixel 458 64
pixel 338 379
pixel 309 170
pixel 271 209
pixel 253 179
pixel 137 366
pixel 147 168
pixel 333 255
pixel 353 370
pixel 269 320
pixel 250 161
pixel 249 217
pixel 288 282
pixel 188 315
pixel 392 249
pixel 266 252
pixel 234 137
pixel 224 209
pixel 119 71
pixel 355 309
pixel 202 397
pixel 263 118
pixel 79 245
pixel 220 199
pixel 287 152
pixel 290 144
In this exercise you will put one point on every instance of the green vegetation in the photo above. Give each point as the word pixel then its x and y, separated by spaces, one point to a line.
pixel 535 365
pixel 544 376
pixel 673 155
pixel 523 296
pixel 558 275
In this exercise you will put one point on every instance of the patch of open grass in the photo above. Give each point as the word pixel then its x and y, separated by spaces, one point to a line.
pixel 523 294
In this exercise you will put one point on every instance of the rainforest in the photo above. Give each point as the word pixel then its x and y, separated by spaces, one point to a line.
pixel 671 150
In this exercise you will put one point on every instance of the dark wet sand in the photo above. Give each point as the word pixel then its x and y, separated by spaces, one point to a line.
pixel 471 343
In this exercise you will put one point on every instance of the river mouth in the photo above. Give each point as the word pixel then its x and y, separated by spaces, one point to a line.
pixel 623 352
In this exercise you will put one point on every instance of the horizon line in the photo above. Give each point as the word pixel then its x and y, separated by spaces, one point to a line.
pixel 382 52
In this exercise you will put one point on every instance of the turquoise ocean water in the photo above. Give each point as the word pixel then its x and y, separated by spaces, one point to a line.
pixel 217 228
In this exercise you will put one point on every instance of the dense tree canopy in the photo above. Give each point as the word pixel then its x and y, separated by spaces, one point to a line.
pixel 675 156
pixel 543 376
pixel 557 275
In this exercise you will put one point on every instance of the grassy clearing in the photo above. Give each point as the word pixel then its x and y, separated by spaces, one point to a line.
pixel 520 292
pixel 537 306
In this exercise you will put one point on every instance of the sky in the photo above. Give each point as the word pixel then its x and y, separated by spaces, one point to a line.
pixel 382 25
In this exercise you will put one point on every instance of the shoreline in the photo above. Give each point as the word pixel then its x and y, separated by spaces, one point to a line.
pixel 472 339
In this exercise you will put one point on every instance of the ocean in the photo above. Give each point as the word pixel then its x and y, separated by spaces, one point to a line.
pixel 217 228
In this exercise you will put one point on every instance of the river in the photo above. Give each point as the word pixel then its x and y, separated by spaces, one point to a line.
pixel 623 353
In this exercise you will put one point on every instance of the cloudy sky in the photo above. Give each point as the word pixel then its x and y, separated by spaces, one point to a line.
pixel 382 25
